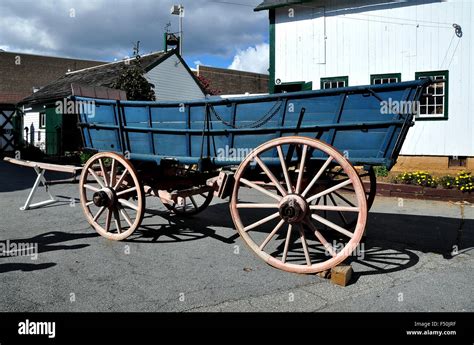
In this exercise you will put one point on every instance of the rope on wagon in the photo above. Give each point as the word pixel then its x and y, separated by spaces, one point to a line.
pixel 275 109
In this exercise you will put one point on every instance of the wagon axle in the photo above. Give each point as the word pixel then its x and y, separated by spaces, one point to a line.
pixel 104 198
pixel 293 208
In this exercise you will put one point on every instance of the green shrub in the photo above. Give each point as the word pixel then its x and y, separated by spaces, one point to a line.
pixel 447 182
pixel 381 171
pixel 84 156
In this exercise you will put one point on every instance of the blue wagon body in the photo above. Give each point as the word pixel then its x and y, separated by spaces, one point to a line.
pixel 354 120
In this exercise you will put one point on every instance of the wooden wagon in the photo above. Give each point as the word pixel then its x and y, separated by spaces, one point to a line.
pixel 297 167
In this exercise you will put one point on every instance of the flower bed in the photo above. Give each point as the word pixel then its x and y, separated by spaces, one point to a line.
pixel 422 185
pixel 463 181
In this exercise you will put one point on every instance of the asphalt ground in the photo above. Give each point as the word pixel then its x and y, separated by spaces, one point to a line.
pixel 417 257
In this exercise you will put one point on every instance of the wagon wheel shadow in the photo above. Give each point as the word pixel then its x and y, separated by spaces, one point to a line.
pixel 381 257
pixel 182 229
pixel 375 257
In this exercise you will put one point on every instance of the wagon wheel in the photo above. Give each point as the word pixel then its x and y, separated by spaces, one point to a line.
pixel 191 205
pixel 112 197
pixel 337 175
pixel 279 223
pixel 368 178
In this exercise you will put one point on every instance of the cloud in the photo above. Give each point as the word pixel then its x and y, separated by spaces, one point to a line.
pixel 107 29
pixel 252 59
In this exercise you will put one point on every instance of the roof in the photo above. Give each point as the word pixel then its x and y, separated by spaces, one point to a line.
pixel 228 81
pixel 270 4
pixel 97 76
pixel 20 73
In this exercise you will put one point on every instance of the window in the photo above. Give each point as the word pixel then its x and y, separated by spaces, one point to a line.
pixel 42 120
pixel 456 161
pixel 293 87
pixel 334 82
pixel 377 79
pixel 434 100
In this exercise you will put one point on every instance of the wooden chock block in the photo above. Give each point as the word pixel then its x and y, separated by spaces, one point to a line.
pixel 341 275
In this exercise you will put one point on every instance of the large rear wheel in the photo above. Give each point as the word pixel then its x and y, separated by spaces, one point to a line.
pixel 277 211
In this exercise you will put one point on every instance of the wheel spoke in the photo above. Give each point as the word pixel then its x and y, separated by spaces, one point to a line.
pixel 107 220
pixel 262 221
pixel 133 189
pixel 128 204
pixel 270 236
pixel 126 216
pixel 99 213
pixel 317 176
pixel 285 169
pixel 92 188
pixel 99 181
pixel 302 166
pixel 89 203
pixel 287 243
pixel 194 202
pixel 113 173
pixel 305 246
pixel 250 205
pixel 104 174
pixel 117 221
pixel 330 190
pixel 321 238
pixel 260 189
pixel 334 208
pixel 270 175
pixel 344 199
pixel 119 182
pixel 332 225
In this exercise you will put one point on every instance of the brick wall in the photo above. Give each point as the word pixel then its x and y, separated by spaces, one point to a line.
pixel 19 73
pixel 229 81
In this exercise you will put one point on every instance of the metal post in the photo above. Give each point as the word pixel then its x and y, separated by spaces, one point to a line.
pixel 181 15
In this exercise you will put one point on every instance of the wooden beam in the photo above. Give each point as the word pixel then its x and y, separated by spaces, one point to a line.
pixel 45 166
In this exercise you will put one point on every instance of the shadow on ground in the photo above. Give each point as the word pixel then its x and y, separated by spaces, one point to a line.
pixel 390 245
pixel 50 241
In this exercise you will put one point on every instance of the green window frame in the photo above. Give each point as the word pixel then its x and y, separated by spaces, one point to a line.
pixel 434 102
pixel 42 120
pixel 334 82
pixel 386 78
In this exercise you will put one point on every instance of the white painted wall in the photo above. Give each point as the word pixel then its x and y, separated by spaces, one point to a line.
pixel 31 120
pixel 173 82
pixel 370 39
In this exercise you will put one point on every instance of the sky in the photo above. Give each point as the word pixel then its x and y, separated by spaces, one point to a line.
pixel 217 33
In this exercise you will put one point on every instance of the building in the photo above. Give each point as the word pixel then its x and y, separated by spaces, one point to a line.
pixel 331 43
pixel 233 82
pixel 20 75
pixel 167 71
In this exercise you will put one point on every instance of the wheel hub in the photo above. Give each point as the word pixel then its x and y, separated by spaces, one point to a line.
pixel 104 198
pixel 293 208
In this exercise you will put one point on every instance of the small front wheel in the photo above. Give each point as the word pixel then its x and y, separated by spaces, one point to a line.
pixel 112 197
